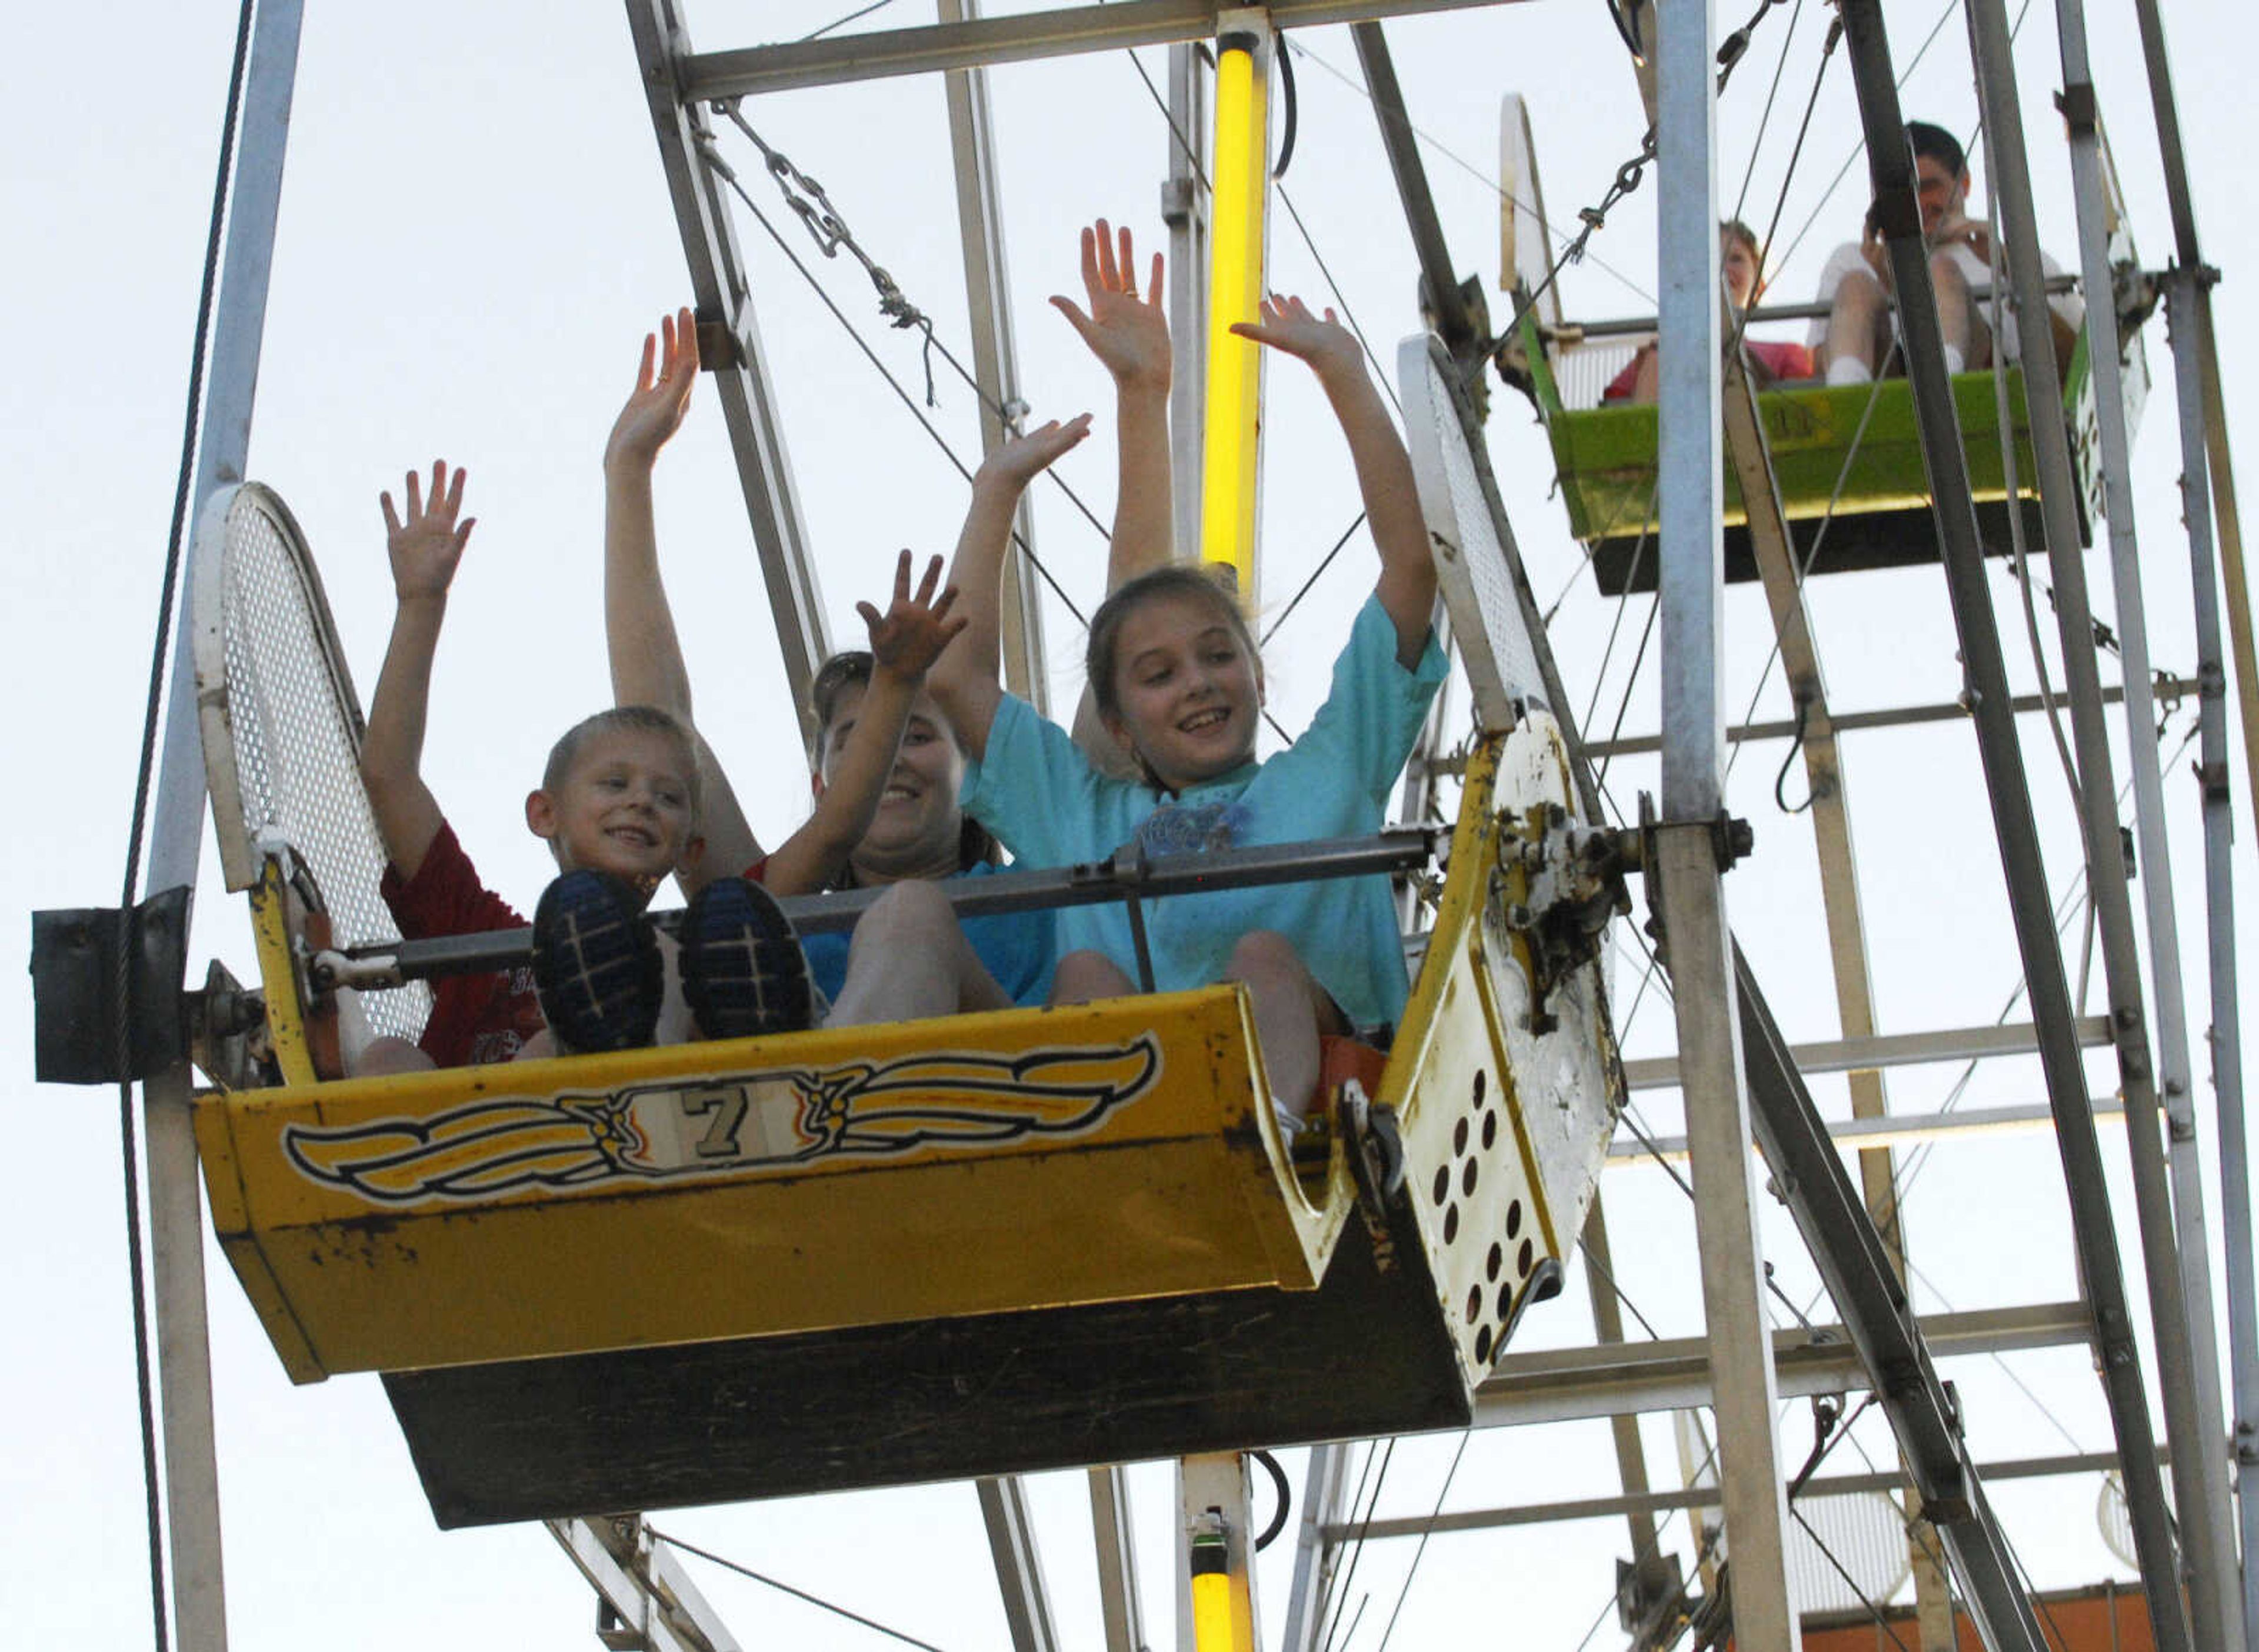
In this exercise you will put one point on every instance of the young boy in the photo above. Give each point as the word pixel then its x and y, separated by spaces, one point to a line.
pixel 619 807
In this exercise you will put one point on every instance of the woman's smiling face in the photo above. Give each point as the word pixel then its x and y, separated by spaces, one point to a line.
pixel 918 824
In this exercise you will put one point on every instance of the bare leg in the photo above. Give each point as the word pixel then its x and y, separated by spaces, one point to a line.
pixel 1856 322
pixel 1291 1011
pixel 909 961
pixel 1965 330
pixel 1083 976
pixel 382 1056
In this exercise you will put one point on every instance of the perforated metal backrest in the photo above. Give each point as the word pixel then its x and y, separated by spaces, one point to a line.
pixel 1583 372
pixel 1470 564
pixel 1846 1551
pixel 282 727
pixel 1525 238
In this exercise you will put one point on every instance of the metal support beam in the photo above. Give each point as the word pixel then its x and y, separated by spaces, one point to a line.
pixel 1059 31
pixel 1648 1578
pixel 1184 210
pixel 2165 110
pixel 1692 896
pixel 1019 1566
pixel 1879 1318
pixel 1892 164
pixel 1618 1380
pixel 2175 1079
pixel 1325 1492
pixel 724 298
pixel 1872 1054
pixel 1443 296
pixel 2181 313
pixel 1892 1130
pixel 649 1603
pixel 1900 716
pixel 176 826
pixel 995 352
pixel 1118 1600
pixel 2208 477
pixel 1695 1497
pixel 2182 1319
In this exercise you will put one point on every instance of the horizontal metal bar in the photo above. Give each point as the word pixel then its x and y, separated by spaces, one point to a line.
pixel 1945 711
pixel 1617 327
pixel 1061 31
pixel 1891 1129
pixel 1700 1497
pixel 1398 849
pixel 1623 1379
pixel 1894 1050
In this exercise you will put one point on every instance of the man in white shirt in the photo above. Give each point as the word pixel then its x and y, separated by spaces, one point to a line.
pixel 1854 340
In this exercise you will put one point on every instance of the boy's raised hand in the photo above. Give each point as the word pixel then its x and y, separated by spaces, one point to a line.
pixel 1287 325
pixel 1128 334
pixel 655 407
pixel 426 546
pixel 909 636
pixel 1024 458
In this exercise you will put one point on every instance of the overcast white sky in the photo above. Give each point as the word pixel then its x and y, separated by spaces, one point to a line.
pixel 475 235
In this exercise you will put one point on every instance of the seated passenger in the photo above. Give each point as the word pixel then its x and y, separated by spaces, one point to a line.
pixel 618 805
pixel 908 957
pixel 1177 683
pixel 1858 336
pixel 1741 268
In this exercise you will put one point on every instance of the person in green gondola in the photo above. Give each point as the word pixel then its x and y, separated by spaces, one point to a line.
pixel 1741 266
pixel 1856 338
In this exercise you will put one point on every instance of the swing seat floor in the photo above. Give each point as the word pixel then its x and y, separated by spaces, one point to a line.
pixel 1367 1354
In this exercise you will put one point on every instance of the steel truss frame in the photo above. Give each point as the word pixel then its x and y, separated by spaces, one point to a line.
pixel 1740 1072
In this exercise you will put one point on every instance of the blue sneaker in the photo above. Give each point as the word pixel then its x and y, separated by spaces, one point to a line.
pixel 744 975
pixel 596 964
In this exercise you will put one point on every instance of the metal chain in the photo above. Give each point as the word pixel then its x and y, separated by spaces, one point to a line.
pixel 806 199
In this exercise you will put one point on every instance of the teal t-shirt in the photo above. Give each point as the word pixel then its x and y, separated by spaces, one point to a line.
pixel 1037 792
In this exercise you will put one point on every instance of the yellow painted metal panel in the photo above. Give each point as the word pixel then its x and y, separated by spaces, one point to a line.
pixel 1240 171
pixel 231 1217
pixel 270 929
pixel 699 1191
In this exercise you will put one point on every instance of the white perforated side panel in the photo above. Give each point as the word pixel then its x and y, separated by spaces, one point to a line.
pixel 283 728
pixel 1471 562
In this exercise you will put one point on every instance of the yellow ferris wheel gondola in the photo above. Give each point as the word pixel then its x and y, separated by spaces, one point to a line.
pixel 971 1246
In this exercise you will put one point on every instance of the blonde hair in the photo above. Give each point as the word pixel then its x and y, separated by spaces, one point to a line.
pixel 624 719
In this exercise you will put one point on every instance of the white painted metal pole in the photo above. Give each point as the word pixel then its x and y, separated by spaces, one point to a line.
pixel 176 1231
pixel 995 350
pixel 2182 320
pixel 1019 1564
pixel 1693 895
pixel 1184 210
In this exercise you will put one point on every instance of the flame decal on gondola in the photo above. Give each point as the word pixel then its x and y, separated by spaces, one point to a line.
pixel 727 1125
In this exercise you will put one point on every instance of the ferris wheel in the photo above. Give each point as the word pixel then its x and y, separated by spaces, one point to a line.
pixel 712 1273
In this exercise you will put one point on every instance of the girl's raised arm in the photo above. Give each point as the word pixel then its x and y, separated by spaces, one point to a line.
pixel 1407 585
pixel 965 678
